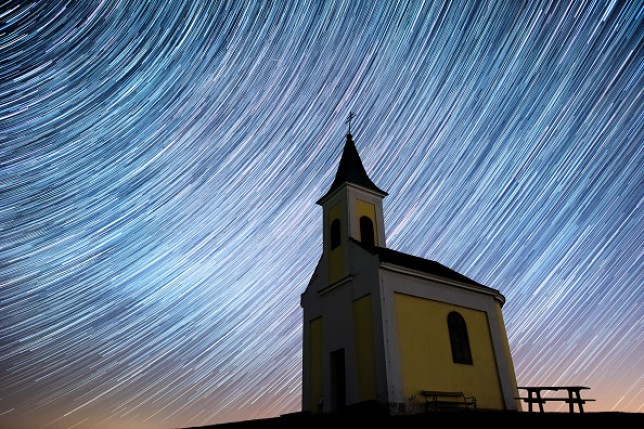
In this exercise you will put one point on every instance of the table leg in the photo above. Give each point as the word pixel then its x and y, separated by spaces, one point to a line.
pixel 540 401
pixel 579 402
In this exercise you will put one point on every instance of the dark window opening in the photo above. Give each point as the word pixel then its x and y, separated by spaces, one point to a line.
pixel 335 233
pixel 458 339
pixel 366 231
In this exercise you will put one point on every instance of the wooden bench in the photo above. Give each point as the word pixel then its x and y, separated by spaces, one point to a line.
pixel 440 399
pixel 574 397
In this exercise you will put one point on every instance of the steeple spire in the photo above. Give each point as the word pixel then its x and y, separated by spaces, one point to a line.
pixel 351 169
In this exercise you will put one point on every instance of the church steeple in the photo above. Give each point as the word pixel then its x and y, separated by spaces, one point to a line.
pixel 351 170
pixel 352 210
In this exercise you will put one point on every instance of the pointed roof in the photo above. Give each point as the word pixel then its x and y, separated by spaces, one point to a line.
pixel 351 170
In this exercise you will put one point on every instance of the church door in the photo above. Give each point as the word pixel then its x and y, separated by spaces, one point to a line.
pixel 338 381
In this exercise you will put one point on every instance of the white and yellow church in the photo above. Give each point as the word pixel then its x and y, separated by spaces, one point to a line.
pixel 381 326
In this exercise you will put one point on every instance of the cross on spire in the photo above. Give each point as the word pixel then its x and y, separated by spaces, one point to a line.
pixel 348 121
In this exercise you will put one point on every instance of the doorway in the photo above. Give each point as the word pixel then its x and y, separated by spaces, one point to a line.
pixel 338 381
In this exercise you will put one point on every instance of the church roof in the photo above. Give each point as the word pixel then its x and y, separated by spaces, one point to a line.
pixel 420 264
pixel 351 170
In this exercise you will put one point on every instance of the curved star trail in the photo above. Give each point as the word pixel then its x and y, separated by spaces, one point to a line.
pixel 160 163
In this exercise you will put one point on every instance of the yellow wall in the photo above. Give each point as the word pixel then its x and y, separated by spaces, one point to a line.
pixel 364 343
pixel 426 355
pixel 336 256
pixel 315 363
pixel 364 208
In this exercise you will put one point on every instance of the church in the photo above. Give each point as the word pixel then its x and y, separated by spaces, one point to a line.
pixel 381 326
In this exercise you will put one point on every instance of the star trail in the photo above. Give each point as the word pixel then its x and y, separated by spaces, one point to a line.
pixel 160 164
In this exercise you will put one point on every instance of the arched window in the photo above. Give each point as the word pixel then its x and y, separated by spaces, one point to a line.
pixel 335 233
pixel 458 338
pixel 366 231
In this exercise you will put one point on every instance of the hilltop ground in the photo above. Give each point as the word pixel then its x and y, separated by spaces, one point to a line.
pixel 415 421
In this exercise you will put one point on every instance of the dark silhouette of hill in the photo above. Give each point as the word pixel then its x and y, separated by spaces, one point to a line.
pixel 455 419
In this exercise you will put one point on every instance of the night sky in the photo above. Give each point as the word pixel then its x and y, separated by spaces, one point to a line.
pixel 160 164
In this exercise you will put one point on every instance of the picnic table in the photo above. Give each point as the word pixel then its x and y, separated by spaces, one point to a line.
pixel 574 396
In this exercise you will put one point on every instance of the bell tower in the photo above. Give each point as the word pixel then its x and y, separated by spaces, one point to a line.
pixel 352 209
pixel 343 356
